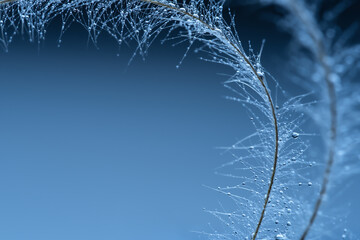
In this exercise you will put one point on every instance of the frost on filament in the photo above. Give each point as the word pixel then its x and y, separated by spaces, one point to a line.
pixel 269 166
pixel 251 166
pixel 327 64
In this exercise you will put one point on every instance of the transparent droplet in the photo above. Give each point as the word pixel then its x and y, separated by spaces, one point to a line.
pixel 280 237
pixel 295 135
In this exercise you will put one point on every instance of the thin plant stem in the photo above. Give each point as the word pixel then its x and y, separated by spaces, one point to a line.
pixel 270 101
pixel 333 132
pixel 321 56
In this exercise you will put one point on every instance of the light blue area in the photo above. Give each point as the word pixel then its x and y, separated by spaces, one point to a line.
pixel 91 151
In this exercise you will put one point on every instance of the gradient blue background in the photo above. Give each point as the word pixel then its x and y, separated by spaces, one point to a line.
pixel 94 149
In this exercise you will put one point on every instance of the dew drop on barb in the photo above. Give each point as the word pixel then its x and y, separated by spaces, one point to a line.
pixel 280 237
pixel 295 135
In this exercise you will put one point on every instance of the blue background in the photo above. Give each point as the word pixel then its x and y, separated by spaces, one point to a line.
pixel 94 149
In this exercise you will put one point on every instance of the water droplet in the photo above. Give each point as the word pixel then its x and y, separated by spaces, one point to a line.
pixel 309 184
pixel 295 135
pixel 280 237
pixel 260 74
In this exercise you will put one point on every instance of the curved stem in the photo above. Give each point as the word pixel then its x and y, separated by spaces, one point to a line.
pixel 321 56
pixel 333 132
pixel 270 101
pixel 330 161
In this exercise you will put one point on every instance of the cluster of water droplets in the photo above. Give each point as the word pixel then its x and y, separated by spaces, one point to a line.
pixel 202 26
pixel 326 57
pixel 251 168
